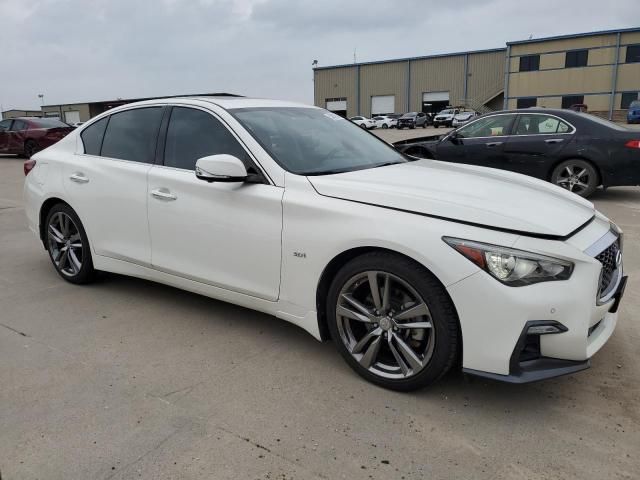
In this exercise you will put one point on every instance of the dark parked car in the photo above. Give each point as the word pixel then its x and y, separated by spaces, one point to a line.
pixel 28 135
pixel 574 150
pixel 413 120
pixel 633 114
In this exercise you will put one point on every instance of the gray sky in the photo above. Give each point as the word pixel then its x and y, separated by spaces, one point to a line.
pixel 84 50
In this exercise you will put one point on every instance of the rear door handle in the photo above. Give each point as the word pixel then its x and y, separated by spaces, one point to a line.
pixel 78 178
pixel 554 140
pixel 163 194
pixel 494 144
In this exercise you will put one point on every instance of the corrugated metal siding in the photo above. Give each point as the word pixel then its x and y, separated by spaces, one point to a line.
pixel 564 81
pixel 437 75
pixel 486 75
pixel 336 83
pixel 565 44
pixel 383 79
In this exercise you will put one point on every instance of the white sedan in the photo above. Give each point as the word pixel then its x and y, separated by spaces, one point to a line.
pixel 364 122
pixel 384 121
pixel 463 118
pixel 410 267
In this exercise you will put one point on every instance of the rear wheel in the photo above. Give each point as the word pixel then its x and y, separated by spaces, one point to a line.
pixel 384 126
pixel 392 321
pixel 362 125
pixel 577 176
pixel 30 148
pixel 68 245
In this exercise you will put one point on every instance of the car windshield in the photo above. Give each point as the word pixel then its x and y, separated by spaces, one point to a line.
pixel 409 115
pixel 602 121
pixel 445 112
pixel 635 104
pixel 310 141
pixel 48 122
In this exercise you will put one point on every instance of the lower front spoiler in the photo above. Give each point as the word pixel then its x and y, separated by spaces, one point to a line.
pixel 535 370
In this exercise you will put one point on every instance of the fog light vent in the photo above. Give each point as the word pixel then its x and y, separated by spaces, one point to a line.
pixel 546 329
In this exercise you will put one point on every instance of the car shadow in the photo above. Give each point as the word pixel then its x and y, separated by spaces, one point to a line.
pixel 616 194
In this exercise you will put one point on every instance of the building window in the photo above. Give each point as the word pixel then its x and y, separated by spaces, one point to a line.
pixel 576 58
pixel 527 102
pixel 529 63
pixel 628 97
pixel 633 53
pixel 569 100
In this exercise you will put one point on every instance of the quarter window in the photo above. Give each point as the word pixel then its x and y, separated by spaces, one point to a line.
pixel 4 125
pixel 633 53
pixel 535 124
pixel 529 63
pixel 193 134
pixel 92 136
pixel 131 135
pixel 576 58
pixel 496 125
pixel 627 98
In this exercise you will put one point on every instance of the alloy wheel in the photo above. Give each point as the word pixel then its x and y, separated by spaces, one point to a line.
pixel 65 244
pixel 574 178
pixel 385 325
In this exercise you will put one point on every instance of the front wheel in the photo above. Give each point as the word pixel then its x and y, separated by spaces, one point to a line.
pixel 577 176
pixel 392 321
pixel 30 149
pixel 385 126
pixel 68 245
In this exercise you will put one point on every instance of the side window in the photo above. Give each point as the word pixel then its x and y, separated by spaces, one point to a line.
pixel 4 125
pixel 92 136
pixel 536 124
pixel 633 54
pixel 529 63
pixel 193 134
pixel 18 125
pixel 131 135
pixel 486 127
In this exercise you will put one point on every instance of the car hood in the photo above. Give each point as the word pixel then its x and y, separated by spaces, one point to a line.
pixel 464 193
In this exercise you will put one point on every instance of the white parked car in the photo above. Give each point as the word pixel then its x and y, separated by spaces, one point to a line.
pixel 445 117
pixel 463 118
pixel 364 122
pixel 291 210
pixel 384 121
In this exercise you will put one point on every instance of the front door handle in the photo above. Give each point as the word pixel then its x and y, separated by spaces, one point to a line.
pixel 163 194
pixel 78 177
pixel 554 140
pixel 494 144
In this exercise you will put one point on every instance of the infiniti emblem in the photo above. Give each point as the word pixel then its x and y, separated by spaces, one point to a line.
pixel 618 259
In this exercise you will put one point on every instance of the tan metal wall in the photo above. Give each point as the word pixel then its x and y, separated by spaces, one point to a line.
pixel 83 108
pixel 486 75
pixel 20 113
pixel 442 74
pixel 336 83
pixel 383 79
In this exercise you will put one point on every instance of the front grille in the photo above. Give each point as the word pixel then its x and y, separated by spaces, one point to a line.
pixel 610 274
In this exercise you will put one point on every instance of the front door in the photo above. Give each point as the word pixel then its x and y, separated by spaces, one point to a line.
pixel 224 234
pixel 5 125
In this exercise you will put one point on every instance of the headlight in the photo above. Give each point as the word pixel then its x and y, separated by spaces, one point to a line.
pixel 512 267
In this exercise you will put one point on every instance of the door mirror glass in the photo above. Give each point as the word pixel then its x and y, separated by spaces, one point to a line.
pixel 221 168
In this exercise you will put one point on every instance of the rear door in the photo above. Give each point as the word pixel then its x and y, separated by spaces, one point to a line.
pixel 16 136
pixel 107 183
pixel 536 141
pixel 5 125
pixel 478 143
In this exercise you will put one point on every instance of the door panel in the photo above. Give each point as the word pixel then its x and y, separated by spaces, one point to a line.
pixel 4 134
pixel 110 196
pixel 224 234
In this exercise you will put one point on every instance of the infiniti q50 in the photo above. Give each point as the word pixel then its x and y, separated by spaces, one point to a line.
pixel 409 266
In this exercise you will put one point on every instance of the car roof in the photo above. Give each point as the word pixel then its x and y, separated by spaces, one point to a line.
pixel 222 101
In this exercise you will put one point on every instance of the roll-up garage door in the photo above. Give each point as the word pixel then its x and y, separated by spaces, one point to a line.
pixel 433 102
pixel 336 105
pixel 383 104
pixel 72 117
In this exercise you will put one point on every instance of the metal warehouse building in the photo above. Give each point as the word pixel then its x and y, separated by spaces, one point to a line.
pixel 599 69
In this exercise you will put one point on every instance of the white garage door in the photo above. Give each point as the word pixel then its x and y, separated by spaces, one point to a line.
pixel 383 104
pixel 72 117
pixel 336 105
pixel 435 97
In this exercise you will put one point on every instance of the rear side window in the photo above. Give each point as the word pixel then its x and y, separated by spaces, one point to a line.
pixel 193 134
pixel 536 124
pixel 131 135
pixel 18 125
pixel 92 137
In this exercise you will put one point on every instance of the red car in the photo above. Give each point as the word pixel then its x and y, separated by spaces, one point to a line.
pixel 28 135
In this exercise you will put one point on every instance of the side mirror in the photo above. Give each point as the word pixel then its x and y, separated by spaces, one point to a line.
pixel 221 168
pixel 453 136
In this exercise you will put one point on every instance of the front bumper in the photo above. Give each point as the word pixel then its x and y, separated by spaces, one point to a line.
pixel 495 318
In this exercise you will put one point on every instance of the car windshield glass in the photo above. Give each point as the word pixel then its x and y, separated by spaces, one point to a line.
pixel 635 104
pixel 602 121
pixel 446 112
pixel 409 115
pixel 310 141
pixel 48 122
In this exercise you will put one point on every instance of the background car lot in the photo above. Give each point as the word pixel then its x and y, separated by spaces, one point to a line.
pixel 129 379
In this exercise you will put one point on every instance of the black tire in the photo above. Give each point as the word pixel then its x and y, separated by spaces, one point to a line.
pixel 424 125
pixel 362 125
pixel 30 149
pixel 442 314
pixel 436 125
pixel 385 126
pixel 76 235
pixel 412 127
pixel 583 182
